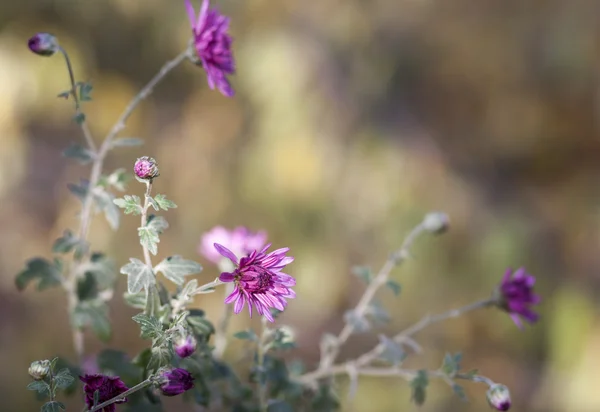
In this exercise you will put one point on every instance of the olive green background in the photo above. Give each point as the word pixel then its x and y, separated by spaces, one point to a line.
pixel 352 119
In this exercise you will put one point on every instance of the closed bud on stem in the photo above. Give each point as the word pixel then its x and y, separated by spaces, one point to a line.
pixel 436 222
pixel 39 369
pixel 499 397
pixel 173 382
pixel 184 345
pixel 43 44
pixel 146 168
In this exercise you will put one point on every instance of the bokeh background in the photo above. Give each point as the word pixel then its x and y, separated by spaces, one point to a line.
pixel 352 120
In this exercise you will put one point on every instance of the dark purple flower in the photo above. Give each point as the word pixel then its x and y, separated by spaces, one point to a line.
pixel 515 295
pixel 108 387
pixel 184 345
pixel 213 45
pixel 146 168
pixel 259 281
pixel 175 381
pixel 498 397
pixel 241 241
pixel 43 44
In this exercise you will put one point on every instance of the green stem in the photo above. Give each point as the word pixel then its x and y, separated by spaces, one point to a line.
pixel 262 386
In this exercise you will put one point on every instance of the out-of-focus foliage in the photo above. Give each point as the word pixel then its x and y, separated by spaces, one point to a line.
pixel 352 119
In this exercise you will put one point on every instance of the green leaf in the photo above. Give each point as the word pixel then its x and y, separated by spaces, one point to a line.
pixel 79 118
pixel 150 326
pixel 127 142
pixel 161 356
pixel 149 238
pixel 164 203
pixel 65 243
pixel 79 153
pixel 87 288
pixel 451 364
pixel 79 191
pixel 53 406
pixel 64 95
pixel 114 362
pixel 118 179
pixel 419 386
pixel 93 313
pixel 135 300
pixel 279 406
pixel 152 202
pixel 131 204
pixel 40 386
pixel 175 268
pixel 460 392
pixel 363 273
pixel 85 89
pixel 63 379
pixel 393 351
pixel 199 324
pixel 246 335
pixel 358 323
pixel 325 400
pixel 101 268
pixel 139 276
pixel 158 223
pixel 378 313
pixel 47 274
pixel 106 202
pixel 394 286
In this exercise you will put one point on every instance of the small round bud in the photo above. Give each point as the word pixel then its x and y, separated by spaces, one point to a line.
pixel 146 168
pixel 499 397
pixel 184 345
pixel 43 44
pixel 39 369
pixel 436 222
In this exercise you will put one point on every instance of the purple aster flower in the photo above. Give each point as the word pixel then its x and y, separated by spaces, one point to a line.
pixel 184 345
pixel 515 295
pixel 258 280
pixel 146 168
pixel 498 397
pixel 175 381
pixel 108 387
pixel 43 44
pixel 240 241
pixel 213 45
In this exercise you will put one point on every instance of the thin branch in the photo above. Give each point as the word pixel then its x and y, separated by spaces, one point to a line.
pixel 125 394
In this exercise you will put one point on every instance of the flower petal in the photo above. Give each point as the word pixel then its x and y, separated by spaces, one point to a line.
pixel 226 253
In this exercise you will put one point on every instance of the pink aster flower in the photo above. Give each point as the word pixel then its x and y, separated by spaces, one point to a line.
pixel 240 241
pixel 107 386
pixel 258 280
pixel 515 296
pixel 213 45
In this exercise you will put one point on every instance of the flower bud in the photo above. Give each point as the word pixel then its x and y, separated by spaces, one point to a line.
pixel 184 345
pixel 436 222
pixel 43 44
pixel 146 168
pixel 499 397
pixel 174 381
pixel 39 369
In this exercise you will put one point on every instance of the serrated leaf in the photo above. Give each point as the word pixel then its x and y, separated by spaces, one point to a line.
pixel 358 323
pixel 85 90
pixel 149 238
pixel 158 223
pixel 63 379
pixel 87 288
pixel 419 386
pixel 393 351
pixel 39 386
pixel 79 153
pixel 175 268
pixel 95 315
pixel 135 300
pixel 118 179
pixel 150 326
pixel 53 406
pixel 101 268
pixel 460 392
pixel 378 313
pixel 127 142
pixel 105 202
pixel 153 202
pixel 246 335
pixel 199 324
pixel 139 275
pixel 47 274
pixel 451 364
pixel 65 243
pixel 79 191
pixel 363 273
pixel 164 203
pixel 161 356
pixel 394 286
pixel 130 204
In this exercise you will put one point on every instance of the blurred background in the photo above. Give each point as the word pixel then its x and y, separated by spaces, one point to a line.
pixel 352 119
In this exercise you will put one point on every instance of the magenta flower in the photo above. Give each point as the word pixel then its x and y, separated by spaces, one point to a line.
pixel 107 386
pixel 175 381
pixel 213 45
pixel 259 281
pixel 240 241
pixel 515 296
pixel 43 44
pixel 184 345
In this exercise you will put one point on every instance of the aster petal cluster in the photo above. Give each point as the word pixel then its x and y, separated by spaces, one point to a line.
pixel 241 241
pixel 213 45
pixel 107 386
pixel 515 296
pixel 259 280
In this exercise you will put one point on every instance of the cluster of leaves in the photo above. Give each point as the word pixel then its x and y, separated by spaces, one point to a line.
pixel 58 378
